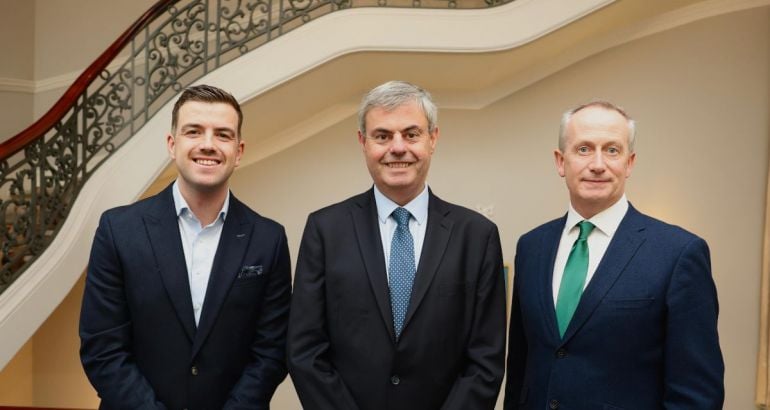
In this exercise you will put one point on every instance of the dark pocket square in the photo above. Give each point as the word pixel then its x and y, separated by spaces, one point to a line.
pixel 250 271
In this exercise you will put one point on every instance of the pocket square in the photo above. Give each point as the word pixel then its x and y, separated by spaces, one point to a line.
pixel 250 271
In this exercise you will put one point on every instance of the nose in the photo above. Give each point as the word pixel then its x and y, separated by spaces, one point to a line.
pixel 207 142
pixel 597 164
pixel 398 144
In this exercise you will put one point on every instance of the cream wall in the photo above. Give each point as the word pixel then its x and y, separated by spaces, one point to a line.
pixel 16 41
pixel 46 372
pixel 37 50
pixel 62 52
pixel 700 95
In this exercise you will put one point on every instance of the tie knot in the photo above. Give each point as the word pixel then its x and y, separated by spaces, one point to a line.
pixel 585 229
pixel 401 215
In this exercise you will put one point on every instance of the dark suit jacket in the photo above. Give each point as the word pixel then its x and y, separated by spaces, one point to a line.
pixel 140 346
pixel 644 335
pixel 342 350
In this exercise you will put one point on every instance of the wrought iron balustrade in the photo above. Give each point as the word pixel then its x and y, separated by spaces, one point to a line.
pixel 174 43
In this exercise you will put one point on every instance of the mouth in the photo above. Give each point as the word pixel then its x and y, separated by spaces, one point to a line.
pixel 596 181
pixel 206 162
pixel 398 164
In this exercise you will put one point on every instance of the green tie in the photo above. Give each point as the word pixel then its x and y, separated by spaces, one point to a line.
pixel 574 278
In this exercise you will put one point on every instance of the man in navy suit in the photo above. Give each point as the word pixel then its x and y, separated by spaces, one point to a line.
pixel 187 294
pixel 399 298
pixel 611 309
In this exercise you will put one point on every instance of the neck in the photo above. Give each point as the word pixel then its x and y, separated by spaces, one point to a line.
pixel 204 205
pixel 401 197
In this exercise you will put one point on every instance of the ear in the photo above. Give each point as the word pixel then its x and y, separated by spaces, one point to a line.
pixel 433 139
pixel 170 144
pixel 239 153
pixel 362 140
pixel 631 162
pixel 559 160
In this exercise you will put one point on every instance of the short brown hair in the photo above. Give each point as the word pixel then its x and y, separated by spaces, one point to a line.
pixel 208 94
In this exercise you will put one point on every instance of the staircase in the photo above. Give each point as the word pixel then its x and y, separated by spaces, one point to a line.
pixel 101 144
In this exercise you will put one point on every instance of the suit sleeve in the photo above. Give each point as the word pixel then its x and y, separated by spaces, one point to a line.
pixel 318 383
pixel 517 345
pixel 105 330
pixel 694 370
pixel 267 368
pixel 478 385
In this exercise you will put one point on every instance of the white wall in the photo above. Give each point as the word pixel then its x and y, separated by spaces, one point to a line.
pixel 700 95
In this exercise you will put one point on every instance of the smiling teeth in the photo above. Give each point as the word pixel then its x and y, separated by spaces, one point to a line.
pixel 398 164
pixel 206 162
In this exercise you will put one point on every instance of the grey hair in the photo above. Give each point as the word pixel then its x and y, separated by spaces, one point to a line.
pixel 565 119
pixel 394 94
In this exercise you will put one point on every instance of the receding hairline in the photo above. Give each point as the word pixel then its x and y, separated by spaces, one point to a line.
pixel 603 105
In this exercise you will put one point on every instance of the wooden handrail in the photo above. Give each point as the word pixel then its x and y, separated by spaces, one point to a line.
pixel 57 112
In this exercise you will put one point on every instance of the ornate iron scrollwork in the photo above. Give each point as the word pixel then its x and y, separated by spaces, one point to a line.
pixel 39 184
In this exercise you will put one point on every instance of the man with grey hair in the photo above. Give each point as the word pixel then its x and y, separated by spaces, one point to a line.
pixel 611 308
pixel 399 299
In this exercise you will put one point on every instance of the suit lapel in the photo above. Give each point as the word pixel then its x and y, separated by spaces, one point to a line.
pixel 549 245
pixel 437 235
pixel 166 243
pixel 236 234
pixel 626 241
pixel 364 214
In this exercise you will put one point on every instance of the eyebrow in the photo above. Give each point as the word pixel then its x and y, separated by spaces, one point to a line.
pixel 409 128
pixel 188 126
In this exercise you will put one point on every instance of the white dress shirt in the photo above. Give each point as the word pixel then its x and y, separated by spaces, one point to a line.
pixel 200 246
pixel 606 223
pixel 418 207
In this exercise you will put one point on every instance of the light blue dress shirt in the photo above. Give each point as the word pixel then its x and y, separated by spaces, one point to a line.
pixel 200 246
pixel 418 207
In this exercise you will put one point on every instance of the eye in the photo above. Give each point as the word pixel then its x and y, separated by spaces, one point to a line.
pixel 583 150
pixel 413 134
pixel 224 135
pixel 380 137
pixel 613 151
pixel 191 132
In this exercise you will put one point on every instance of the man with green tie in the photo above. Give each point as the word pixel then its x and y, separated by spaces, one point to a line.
pixel 611 308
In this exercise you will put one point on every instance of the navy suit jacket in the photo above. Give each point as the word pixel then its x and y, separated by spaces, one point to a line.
pixel 139 343
pixel 644 335
pixel 342 350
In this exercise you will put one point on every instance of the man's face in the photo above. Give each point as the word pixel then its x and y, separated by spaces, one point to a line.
pixel 398 147
pixel 596 160
pixel 205 146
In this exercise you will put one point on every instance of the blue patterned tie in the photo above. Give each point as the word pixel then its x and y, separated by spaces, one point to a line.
pixel 402 269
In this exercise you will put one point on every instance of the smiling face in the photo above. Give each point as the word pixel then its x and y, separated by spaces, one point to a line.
pixel 398 147
pixel 596 160
pixel 205 147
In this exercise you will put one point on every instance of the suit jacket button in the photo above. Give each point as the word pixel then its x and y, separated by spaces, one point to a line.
pixel 194 370
pixel 395 380
pixel 553 404
pixel 561 353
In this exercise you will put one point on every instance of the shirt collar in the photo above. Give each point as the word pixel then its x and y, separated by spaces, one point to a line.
pixel 180 205
pixel 606 221
pixel 418 206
